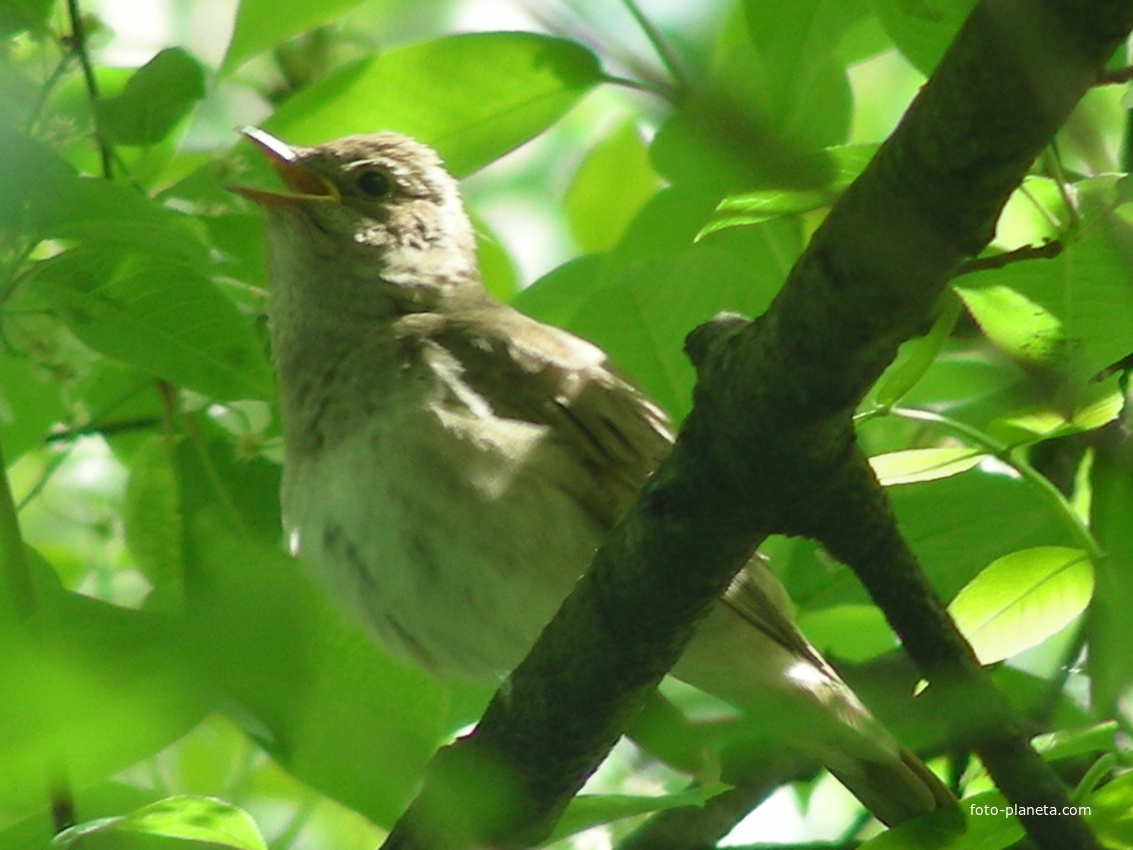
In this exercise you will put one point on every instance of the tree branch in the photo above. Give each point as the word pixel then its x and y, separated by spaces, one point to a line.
pixel 788 384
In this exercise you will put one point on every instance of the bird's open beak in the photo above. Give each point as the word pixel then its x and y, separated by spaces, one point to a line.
pixel 302 183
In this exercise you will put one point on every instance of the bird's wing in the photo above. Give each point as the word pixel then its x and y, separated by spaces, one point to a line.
pixel 537 373
pixel 607 435
pixel 758 597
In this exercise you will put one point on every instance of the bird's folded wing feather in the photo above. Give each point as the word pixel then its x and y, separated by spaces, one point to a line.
pixel 536 373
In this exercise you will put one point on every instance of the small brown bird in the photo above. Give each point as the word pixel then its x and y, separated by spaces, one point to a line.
pixel 452 465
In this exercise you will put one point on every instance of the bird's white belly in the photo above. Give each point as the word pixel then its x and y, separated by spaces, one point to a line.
pixel 451 550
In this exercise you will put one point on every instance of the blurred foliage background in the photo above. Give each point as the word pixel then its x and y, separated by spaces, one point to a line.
pixel 632 168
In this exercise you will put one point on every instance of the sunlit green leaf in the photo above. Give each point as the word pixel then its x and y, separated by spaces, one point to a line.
pixel 924 29
pixel 986 826
pixel 853 633
pixel 1035 213
pixel 911 465
pixel 1073 314
pixel 201 820
pixel 590 810
pixel 1033 423
pixel 1111 812
pixel 834 169
pixel 472 97
pixel 261 24
pixel 611 184
pixel 1067 743
pixel 1023 598
pixel 159 315
pixel 1019 326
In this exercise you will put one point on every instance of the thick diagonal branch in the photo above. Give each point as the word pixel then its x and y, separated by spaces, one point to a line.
pixel 769 397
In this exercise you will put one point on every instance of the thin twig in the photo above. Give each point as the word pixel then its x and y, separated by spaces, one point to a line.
pixel 1046 251
pixel 18 591
pixel 1115 76
pixel 103 429
pixel 79 46
pixel 46 90
pixel 1028 473
pixel 62 804
pixel 640 85
pixel 660 45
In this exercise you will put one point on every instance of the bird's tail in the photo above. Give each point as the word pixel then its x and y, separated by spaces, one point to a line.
pixel 895 790
pixel 749 653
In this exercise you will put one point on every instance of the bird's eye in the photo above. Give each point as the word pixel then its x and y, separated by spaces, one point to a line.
pixel 374 184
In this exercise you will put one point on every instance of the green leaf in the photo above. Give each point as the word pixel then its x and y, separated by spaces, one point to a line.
pixel 762 97
pixel 151 519
pixel 643 314
pixel 609 187
pixel 1016 324
pixel 103 799
pixel 975 386
pixel 1103 404
pixel 1035 214
pixel 1073 314
pixel 558 295
pixel 202 820
pixel 155 98
pixel 261 24
pixel 160 315
pixel 295 673
pixel 915 357
pixel 30 403
pixel 20 15
pixel 1078 741
pixel 1111 812
pixel 955 525
pixel 922 30
pixel 657 285
pixel 42 197
pixel 1023 598
pixel 95 692
pixel 833 170
pixel 853 633
pixel 986 827
pixel 472 97
pixel 497 272
pixel 590 810
pixel 912 465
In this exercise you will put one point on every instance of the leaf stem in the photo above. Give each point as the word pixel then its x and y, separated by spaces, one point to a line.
pixel 18 591
pixel 660 46
pixel 79 46
pixel 1008 455
pixel 665 92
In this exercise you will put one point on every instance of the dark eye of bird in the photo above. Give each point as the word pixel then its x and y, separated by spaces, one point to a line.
pixel 373 184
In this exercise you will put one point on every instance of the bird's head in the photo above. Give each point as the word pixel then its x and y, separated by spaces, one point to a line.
pixel 380 207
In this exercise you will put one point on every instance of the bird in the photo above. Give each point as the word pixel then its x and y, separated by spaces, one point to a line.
pixel 451 464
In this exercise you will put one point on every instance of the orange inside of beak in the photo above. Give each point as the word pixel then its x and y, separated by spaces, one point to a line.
pixel 304 184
